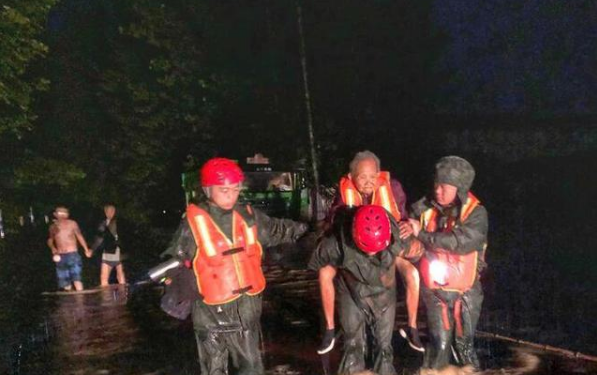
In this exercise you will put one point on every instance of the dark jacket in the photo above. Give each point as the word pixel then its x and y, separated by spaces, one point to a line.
pixel 463 238
pixel 106 238
pixel 361 275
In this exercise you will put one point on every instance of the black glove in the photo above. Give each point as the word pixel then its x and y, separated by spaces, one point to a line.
pixel 180 293
pixel 327 342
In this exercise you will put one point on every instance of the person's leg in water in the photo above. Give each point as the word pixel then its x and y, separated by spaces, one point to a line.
pixel 383 330
pixel 472 301
pixel 78 285
pixel 411 280
pixel 120 274
pixel 328 297
pixel 440 324
pixel 353 321
pixel 224 339
pixel 75 267
pixel 63 275
pixel 105 274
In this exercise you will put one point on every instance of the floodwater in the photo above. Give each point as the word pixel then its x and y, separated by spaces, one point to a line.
pixel 115 332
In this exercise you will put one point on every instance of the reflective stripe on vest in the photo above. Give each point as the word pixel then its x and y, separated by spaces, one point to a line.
pixel 224 268
pixel 442 269
pixel 208 245
pixel 383 196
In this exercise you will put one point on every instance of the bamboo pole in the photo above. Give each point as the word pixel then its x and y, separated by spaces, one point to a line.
pixel 547 348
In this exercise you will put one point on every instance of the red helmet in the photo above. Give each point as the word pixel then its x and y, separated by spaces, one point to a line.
pixel 221 171
pixel 371 229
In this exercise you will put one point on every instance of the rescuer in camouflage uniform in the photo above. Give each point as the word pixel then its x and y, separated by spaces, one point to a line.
pixel 452 226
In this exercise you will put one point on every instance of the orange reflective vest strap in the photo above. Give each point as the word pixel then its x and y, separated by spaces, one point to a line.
pixel 247 236
pixel 225 268
pixel 442 269
pixel 471 203
pixel 383 196
pixel 349 193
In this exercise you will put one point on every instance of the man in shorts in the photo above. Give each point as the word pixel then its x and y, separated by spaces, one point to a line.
pixel 62 240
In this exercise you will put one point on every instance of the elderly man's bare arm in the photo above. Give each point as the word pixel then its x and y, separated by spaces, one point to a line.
pixel 50 242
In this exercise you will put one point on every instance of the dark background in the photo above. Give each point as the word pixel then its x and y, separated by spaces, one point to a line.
pixel 139 91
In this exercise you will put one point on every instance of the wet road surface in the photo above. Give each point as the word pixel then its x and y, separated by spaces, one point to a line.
pixel 114 332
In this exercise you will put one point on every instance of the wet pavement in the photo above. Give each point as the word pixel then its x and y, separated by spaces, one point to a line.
pixel 115 332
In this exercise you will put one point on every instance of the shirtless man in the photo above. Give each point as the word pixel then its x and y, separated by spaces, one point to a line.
pixel 63 236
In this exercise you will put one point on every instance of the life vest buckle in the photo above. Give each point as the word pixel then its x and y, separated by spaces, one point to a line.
pixel 242 290
pixel 233 251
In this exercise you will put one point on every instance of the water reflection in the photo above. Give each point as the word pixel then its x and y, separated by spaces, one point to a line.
pixel 88 329
pixel 109 332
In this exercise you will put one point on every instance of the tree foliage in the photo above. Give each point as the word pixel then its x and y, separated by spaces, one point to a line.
pixel 142 89
pixel 21 23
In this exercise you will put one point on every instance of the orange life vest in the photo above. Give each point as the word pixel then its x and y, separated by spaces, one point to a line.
pixel 383 196
pixel 225 268
pixel 445 270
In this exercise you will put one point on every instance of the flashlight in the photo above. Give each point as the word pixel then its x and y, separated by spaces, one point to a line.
pixel 157 272
pixel 438 271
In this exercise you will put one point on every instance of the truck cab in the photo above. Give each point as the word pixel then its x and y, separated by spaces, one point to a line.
pixel 277 191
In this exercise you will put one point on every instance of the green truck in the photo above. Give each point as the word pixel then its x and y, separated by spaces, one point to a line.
pixel 279 192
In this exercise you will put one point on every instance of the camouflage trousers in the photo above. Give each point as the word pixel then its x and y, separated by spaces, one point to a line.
pixel 445 339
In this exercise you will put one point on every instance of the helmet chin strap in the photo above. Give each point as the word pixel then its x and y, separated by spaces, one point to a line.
pixel 207 192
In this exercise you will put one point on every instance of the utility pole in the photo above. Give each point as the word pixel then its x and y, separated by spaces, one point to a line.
pixel 1 226
pixel 315 196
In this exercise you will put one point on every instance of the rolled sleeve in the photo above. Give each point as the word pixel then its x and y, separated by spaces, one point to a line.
pixel 327 253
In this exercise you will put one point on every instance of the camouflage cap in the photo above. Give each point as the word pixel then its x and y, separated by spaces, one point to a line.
pixel 455 171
